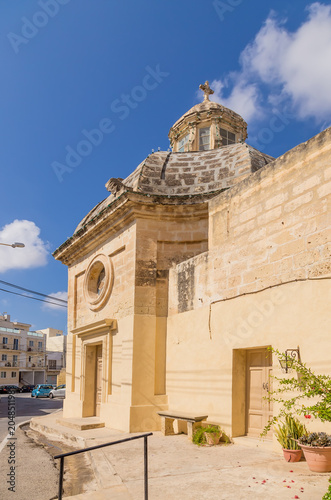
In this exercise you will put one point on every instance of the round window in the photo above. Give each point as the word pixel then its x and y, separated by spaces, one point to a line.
pixel 98 281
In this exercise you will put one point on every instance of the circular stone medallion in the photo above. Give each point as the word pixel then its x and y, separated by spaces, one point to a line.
pixel 98 281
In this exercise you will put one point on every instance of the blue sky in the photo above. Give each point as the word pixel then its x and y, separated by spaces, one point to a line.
pixel 131 69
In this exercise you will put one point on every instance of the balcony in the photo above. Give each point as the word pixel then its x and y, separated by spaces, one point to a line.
pixel 23 365
pixel 11 347
pixel 35 349
pixel 35 366
pixel 54 368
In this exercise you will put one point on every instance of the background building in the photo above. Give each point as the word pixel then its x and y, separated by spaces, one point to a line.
pixel 56 344
pixel 28 357
pixel 22 353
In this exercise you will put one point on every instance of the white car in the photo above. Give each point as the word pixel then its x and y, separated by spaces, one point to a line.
pixel 59 392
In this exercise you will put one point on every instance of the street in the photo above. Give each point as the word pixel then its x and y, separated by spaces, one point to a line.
pixel 19 455
pixel 26 407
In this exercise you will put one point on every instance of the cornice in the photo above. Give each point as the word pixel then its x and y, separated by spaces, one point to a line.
pixel 95 328
pixel 121 212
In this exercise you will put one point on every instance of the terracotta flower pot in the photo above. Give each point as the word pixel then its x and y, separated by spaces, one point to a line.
pixel 213 437
pixel 292 455
pixel 318 458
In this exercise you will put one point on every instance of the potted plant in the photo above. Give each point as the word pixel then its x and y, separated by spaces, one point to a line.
pixel 213 434
pixel 287 434
pixel 207 435
pixel 317 451
pixel 304 387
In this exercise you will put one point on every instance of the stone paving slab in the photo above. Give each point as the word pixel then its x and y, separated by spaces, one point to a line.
pixel 114 493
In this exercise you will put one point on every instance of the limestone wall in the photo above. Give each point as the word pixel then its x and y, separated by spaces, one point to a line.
pixel 264 281
pixel 272 228
pixel 160 242
pixel 120 248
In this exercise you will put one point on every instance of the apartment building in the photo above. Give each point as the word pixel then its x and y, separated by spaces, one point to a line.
pixel 22 353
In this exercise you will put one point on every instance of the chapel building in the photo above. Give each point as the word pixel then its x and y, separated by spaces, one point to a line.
pixel 190 268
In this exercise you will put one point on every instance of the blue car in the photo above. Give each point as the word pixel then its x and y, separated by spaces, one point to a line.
pixel 41 391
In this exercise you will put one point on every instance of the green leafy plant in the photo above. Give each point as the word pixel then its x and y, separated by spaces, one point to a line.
pixel 212 428
pixel 288 432
pixel 199 434
pixel 305 385
pixel 316 439
pixel 327 495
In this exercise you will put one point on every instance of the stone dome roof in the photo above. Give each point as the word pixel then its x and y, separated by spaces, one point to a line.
pixel 203 107
pixel 209 119
pixel 188 174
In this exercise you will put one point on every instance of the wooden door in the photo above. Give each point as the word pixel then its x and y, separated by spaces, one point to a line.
pixel 98 380
pixel 259 411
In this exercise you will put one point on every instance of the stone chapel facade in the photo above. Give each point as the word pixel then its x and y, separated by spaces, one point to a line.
pixel 191 267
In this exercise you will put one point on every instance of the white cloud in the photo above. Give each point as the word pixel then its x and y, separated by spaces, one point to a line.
pixel 33 255
pixel 292 67
pixel 243 98
pixel 54 306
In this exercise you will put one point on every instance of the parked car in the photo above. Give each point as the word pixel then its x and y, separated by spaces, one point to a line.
pixel 41 391
pixel 27 388
pixel 59 392
pixel 7 389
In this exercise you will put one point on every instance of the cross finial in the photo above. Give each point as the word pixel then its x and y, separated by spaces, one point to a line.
pixel 207 90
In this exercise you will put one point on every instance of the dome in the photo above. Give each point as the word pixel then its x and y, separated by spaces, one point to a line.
pixel 205 106
pixel 190 175
pixel 209 155
pixel 207 125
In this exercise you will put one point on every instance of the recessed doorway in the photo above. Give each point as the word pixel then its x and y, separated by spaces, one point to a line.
pixel 98 380
pixel 93 381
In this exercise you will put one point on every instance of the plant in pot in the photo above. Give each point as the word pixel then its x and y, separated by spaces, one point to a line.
pixel 317 450
pixel 287 434
pixel 309 395
pixel 207 435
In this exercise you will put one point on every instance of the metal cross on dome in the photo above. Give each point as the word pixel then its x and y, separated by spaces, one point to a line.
pixel 207 90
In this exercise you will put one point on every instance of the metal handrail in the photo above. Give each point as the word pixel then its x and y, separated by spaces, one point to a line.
pixel 63 455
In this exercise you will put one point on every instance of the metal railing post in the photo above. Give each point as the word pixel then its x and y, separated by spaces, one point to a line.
pixel 145 468
pixel 61 477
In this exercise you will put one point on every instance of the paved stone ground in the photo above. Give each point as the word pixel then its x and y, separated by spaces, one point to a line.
pixel 182 471
pixel 78 472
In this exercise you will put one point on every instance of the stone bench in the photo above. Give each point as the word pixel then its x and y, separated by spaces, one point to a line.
pixel 175 422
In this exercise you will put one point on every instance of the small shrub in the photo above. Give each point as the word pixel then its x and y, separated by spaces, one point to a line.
pixel 199 436
pixel 211 428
